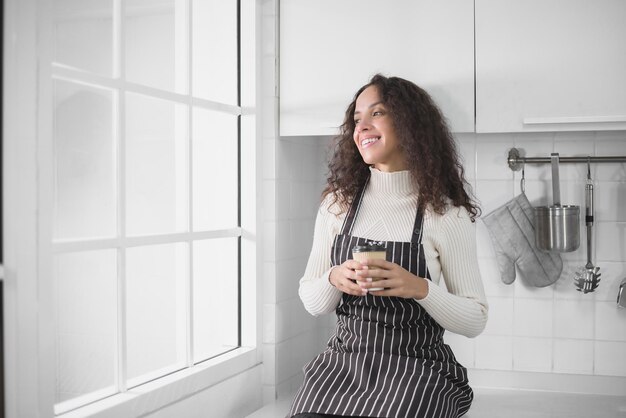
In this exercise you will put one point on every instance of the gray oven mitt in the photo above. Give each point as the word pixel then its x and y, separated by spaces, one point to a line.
pixel 512 231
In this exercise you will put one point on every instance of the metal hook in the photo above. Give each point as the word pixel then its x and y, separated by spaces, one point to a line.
pixel 522 181
pixel 588 168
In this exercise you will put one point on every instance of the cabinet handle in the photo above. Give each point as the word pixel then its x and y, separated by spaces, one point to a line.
pixel 574 119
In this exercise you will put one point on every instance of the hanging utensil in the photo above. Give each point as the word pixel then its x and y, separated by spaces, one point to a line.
pixel 588 276
pixel 557 226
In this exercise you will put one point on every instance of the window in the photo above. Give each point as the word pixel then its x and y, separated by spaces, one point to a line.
pixel 148 179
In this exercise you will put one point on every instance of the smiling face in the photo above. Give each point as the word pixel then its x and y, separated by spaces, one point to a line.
pixel 374 134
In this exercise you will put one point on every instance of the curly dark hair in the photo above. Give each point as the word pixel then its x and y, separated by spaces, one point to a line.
pixel 425 139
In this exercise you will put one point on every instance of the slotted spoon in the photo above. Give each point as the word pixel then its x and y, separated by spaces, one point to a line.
pixel 587 277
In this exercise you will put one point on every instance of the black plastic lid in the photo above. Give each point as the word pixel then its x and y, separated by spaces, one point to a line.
pixel 368 248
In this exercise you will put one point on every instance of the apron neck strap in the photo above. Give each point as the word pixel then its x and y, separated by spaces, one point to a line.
pixel 416 236
pixel 348 222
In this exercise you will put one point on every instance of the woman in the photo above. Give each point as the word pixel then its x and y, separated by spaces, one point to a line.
pixel 395 179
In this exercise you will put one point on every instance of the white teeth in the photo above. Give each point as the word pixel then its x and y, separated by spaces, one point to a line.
pixel 369 140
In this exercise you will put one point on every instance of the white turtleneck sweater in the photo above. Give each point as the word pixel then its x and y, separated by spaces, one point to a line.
pixel 387 213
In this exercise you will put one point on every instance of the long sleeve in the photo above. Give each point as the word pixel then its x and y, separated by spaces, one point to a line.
pixel 461 309
pixel 387 213
pixel 318 295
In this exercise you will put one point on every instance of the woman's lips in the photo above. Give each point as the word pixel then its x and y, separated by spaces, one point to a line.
pixel 369 141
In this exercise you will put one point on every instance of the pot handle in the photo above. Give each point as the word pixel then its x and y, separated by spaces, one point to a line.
pixel 556 191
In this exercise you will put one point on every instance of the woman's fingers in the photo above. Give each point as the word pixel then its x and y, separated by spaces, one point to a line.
pixel 344 277
pixel 379 264
pixel 348 286
pixel 355 278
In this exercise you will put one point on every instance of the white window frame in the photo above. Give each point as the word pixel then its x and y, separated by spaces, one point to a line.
pixel 28 195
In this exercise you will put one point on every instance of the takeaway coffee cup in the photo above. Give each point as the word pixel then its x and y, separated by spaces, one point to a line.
pixel 369 252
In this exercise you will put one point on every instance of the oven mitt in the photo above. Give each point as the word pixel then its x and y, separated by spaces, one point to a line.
pixel 512 231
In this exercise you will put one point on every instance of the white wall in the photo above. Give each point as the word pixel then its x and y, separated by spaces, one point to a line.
pixel 553 338
pixel 291 336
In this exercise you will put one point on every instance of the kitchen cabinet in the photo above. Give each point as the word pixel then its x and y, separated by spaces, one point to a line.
pixel 329 48
pixel 550 65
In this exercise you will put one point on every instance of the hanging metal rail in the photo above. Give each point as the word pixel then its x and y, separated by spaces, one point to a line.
pixel 516 160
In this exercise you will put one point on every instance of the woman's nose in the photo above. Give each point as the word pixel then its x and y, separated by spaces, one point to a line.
pixel 362 126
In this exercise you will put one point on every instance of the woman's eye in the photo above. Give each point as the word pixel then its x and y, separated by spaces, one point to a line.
pixel 356 121
pixel 377 113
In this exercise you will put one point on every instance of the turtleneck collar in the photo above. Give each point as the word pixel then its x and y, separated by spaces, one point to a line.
pixel 392 182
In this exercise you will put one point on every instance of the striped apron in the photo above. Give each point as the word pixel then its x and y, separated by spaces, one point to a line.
pixel 387 357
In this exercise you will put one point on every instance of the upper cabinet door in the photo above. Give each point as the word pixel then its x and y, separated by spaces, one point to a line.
pixel 550 65
pixel 330 48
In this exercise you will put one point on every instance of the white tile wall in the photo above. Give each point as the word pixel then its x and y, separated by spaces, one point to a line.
pixel 574 319
pixel 610 144
pixel 500 316
pixel 491 150
pixel 532 354
pixel 524 291
pixel 573 356
pixel 270 212
pixel 291 336
pixel 612 274
pixel 610 200
pixel 610 358
pixel 494 352
pixel 608 234
pixel 493 193
pixel 606 314
pixel 533 317
pixel 574 144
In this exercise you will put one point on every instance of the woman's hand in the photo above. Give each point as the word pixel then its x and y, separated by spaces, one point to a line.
pixel 395 280
pixel 344 277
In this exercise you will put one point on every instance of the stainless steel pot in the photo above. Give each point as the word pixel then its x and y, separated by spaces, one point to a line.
pixel 557 227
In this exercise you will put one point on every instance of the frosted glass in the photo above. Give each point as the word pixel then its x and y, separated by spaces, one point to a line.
pixel 156 310
pixel 215 297
pixel 156 44
pixel 215 181
pixel 214 52
pixel 84 185
pixel 83 32
pixel 86 323
pixel 156 166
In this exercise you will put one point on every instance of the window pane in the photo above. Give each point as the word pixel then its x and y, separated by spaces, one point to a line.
pixel 156 166
pixel 157 43
pixel 156 278
pixel 84 34
pixel 84 162
pixel 215 50
pixel 215 181
pixel 86 303
pixel 215 297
